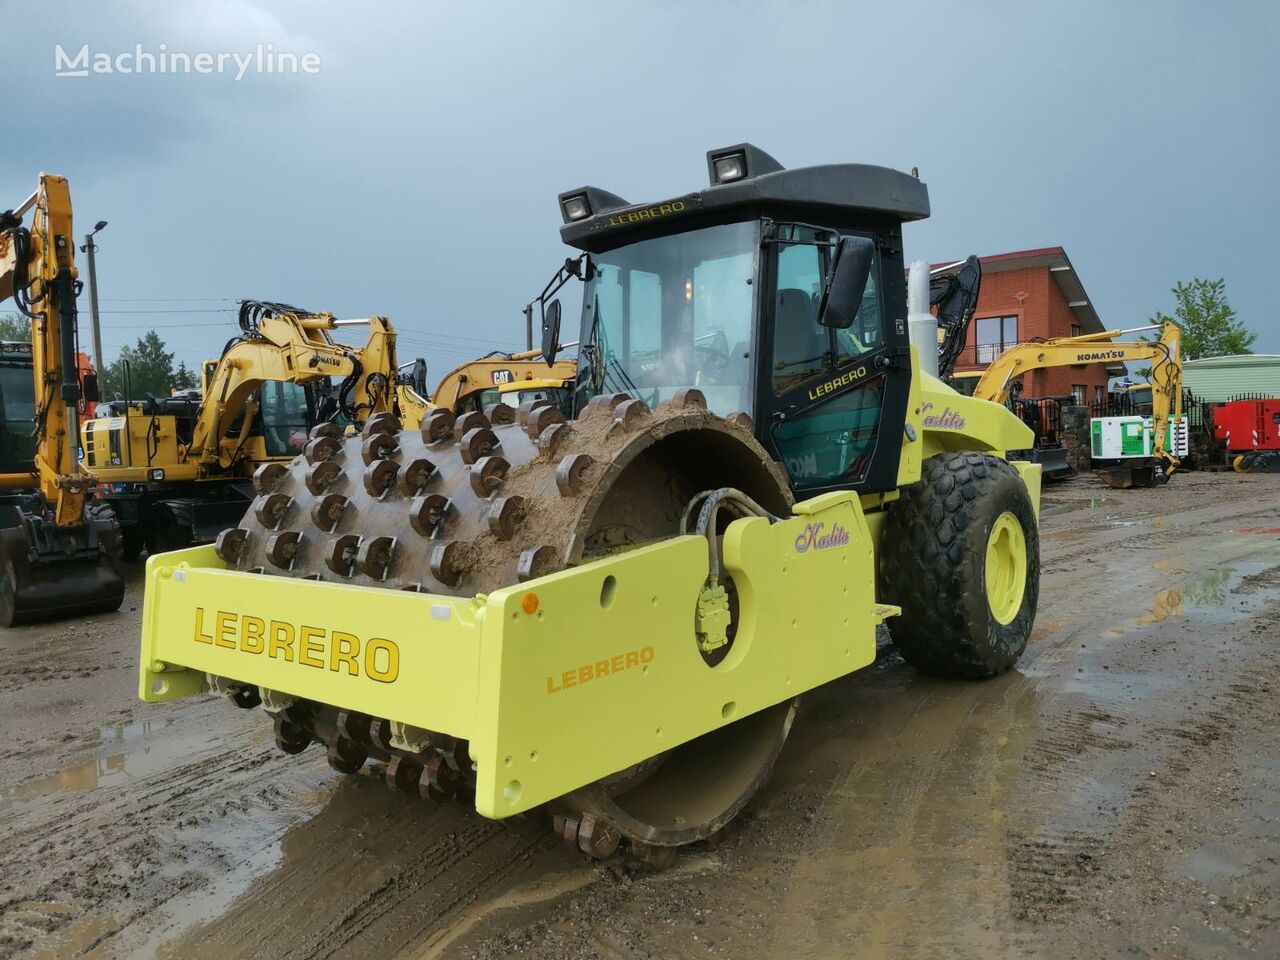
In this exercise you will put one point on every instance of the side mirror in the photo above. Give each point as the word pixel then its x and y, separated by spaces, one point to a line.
pixel 846 283
pixel 550 331
pixel 89 388
pixel 418 377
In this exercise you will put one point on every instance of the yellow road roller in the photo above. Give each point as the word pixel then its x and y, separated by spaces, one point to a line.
pixel 612 615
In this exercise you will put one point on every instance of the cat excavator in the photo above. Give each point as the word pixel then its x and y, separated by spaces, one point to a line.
pixel 177 470
pixel 59 551
pixel 483 383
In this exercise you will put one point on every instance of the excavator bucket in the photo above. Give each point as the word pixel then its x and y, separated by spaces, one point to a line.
pixel 57 574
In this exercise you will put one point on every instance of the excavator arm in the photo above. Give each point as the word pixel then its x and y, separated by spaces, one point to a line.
pixel 1164 355
pixel 285 344
pixel 488 373
pixel 37 269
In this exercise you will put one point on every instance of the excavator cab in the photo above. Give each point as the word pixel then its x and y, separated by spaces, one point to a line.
pixel 17 409
pixel 287 412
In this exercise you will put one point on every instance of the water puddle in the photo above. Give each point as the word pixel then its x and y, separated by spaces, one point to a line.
pixel 1215 597
pixel 1052 506
pixel 252 846
pixel 116 767
pixel 1210 865
pixel 1072 534
pixel 81 935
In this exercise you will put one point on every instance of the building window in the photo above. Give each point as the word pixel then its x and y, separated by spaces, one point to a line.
pixel 1099 395
pixel 994 335
pixel 1075 329
pixel 1078 392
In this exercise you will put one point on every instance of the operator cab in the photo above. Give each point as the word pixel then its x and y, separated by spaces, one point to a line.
pixel 17 408
pixel 776 292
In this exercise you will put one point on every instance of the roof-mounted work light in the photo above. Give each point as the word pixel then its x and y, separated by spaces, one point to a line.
pixel 575 207
pixel 739 162
pixel 730 167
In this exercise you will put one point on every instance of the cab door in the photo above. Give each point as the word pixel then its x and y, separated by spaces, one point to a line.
pixel 833 401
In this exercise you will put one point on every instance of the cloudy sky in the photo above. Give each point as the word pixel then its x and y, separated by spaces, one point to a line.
pixel 415 174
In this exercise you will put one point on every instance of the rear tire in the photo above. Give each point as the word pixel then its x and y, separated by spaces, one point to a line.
pixel 132 543
pixel 169 528
pixel 969 512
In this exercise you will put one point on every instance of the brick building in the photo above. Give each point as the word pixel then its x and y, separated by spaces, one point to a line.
pixel 1035 295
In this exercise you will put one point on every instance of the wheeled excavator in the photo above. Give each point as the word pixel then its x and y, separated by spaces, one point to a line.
pixel 611 614
pixel 1145 452
pixel 59 553
pixel 177 470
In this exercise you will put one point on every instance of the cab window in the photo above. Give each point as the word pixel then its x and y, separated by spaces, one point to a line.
pixel 828 435
pixel 802 350
pixel 285 418
pixel 800 346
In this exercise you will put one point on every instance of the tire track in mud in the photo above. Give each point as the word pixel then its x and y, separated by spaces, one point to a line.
pixel 910 817
pixel 390 871
pixel 110 843
pixel 1131 736
pixel 1015 817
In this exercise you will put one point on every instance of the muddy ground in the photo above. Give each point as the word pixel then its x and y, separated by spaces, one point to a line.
pixel 1116 795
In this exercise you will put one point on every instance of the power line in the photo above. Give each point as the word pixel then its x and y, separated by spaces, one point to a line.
pixel 170 299
pixel 184 310
pixel 159 329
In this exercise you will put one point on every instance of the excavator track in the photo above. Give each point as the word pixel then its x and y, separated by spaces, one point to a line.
pixel 473 503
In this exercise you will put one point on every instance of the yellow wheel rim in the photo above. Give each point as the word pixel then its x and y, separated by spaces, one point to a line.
pixel 1006 567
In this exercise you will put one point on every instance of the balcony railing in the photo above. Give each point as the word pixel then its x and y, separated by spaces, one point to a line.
pixel 982 355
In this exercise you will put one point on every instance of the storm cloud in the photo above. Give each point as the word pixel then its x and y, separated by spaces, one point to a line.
pixel 415 173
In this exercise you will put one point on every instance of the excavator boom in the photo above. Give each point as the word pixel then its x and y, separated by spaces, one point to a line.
pixel 462 386
pixel 285 344
pixel 55 558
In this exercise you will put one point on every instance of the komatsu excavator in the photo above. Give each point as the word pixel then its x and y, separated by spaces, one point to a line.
pixel 1154 458
pixel 177 469
pixel 59 553
pixel 612 614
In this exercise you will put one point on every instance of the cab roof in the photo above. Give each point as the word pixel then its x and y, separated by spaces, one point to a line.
pixel 746 181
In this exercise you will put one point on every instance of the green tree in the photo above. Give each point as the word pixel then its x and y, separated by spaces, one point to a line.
pixel 150 368
pixel 14 327
pixel 1210 327
pixel 184 378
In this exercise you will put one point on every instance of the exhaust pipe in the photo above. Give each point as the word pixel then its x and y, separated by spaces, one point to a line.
pixel 922 326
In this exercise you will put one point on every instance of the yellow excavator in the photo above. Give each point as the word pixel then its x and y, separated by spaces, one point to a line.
pixel 59 553
pixel 1139 457
pixel 481 384
pixel 612 613
pixel 177 470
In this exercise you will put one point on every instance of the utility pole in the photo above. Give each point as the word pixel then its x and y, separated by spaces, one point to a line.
pixel 88 249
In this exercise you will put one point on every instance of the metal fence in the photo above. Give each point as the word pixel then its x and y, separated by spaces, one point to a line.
pixel 1043 416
